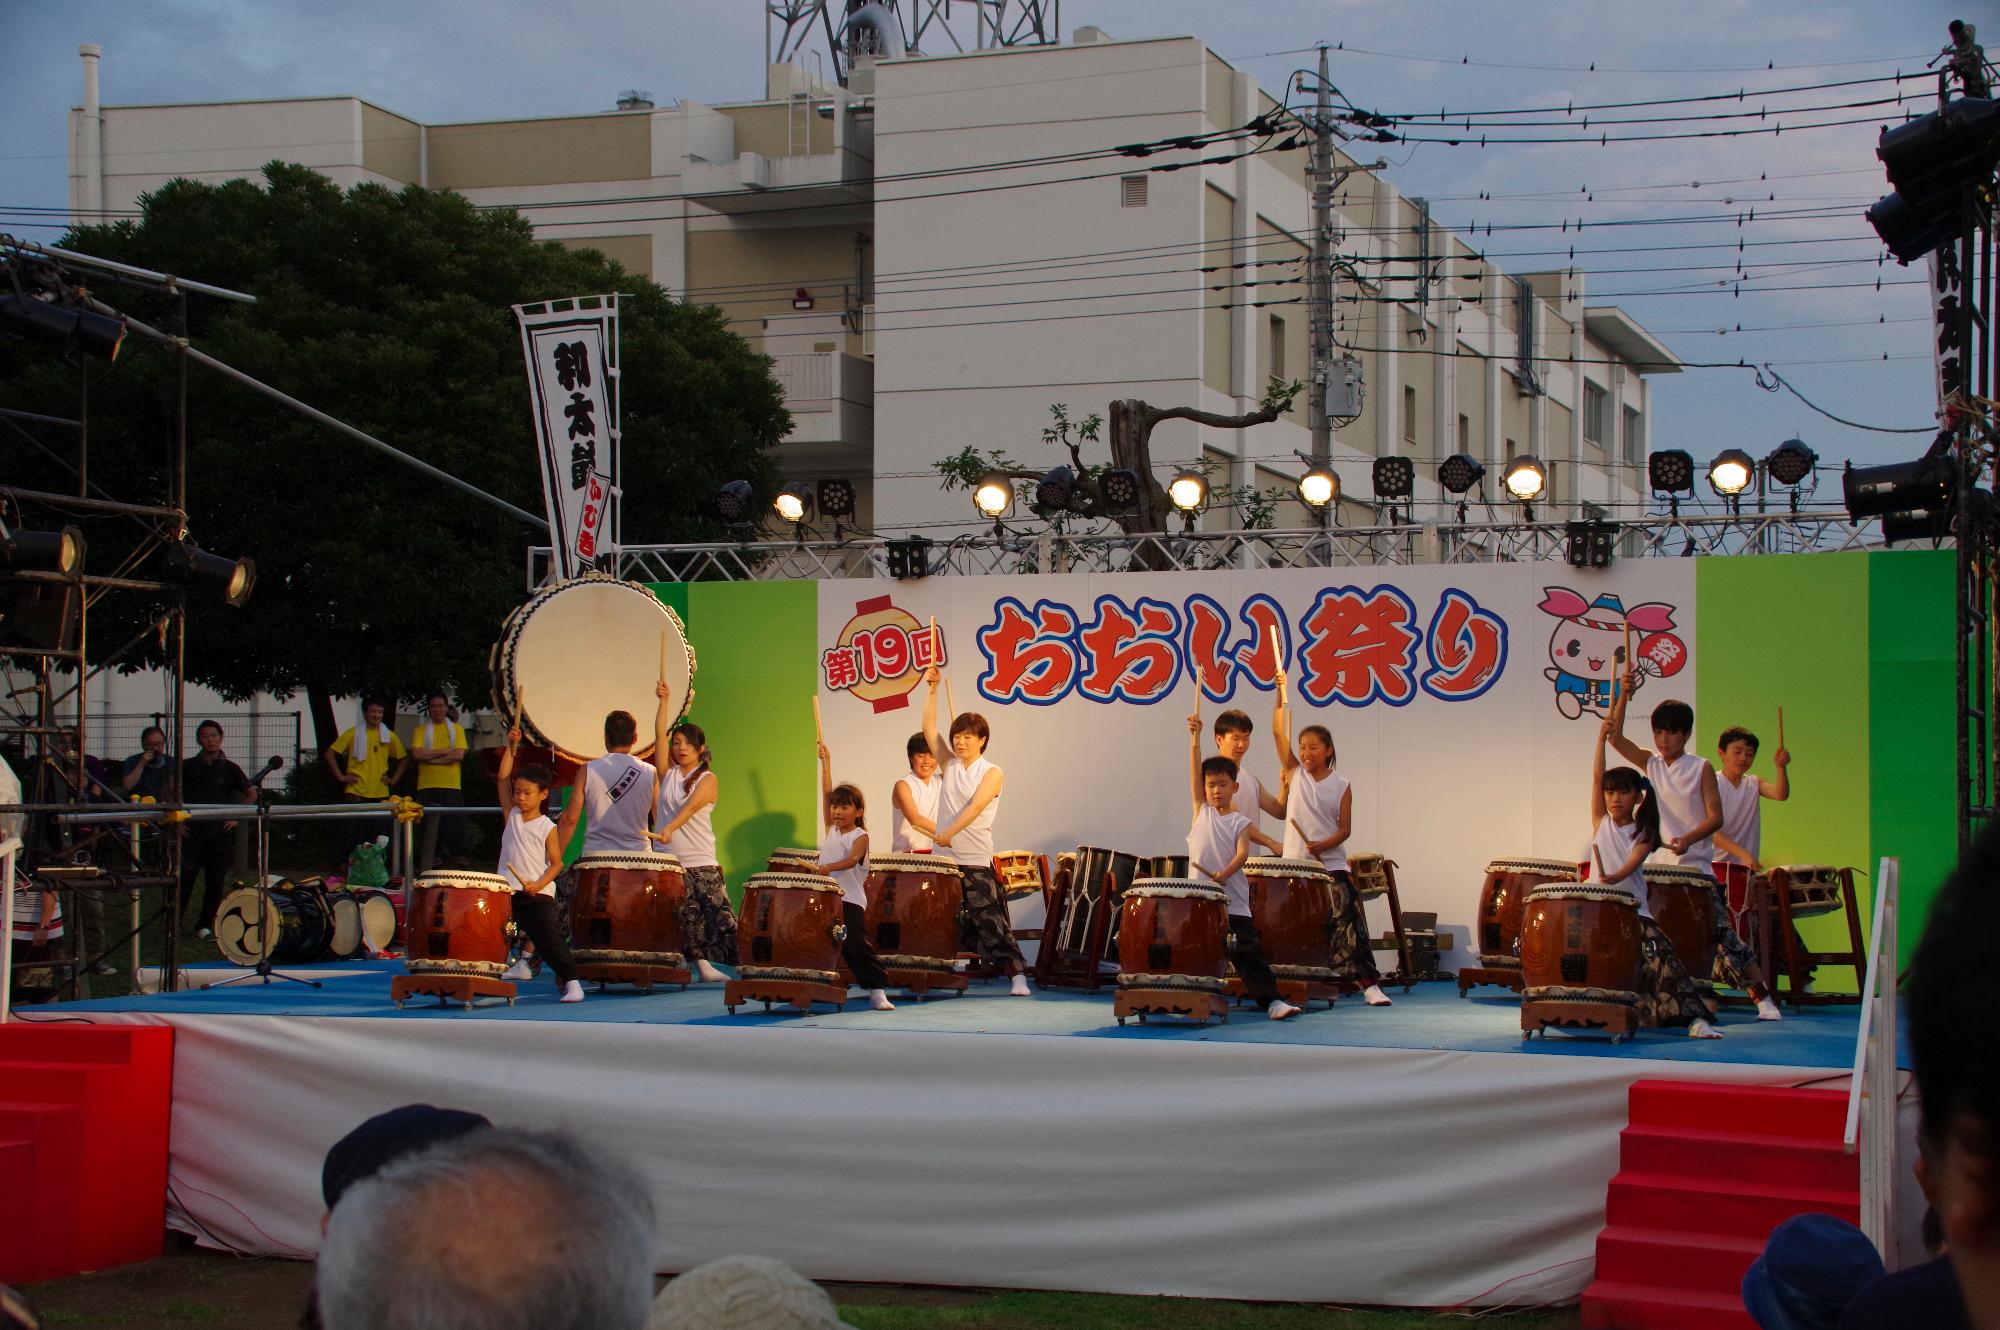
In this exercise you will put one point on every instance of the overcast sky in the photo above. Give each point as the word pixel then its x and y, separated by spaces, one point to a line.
pixel 443 60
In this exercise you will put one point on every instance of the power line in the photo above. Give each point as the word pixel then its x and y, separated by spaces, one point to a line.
pixel 1485 140
pixel 1570 108
pixel 1778 381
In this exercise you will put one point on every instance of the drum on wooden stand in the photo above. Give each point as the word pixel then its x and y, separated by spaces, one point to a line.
pixel 1497 924
pixel 290 919
pixel 788 937
pixel 624 919
pixel 1687 905
pixel 914 905
pixel 1083 925
pixel 579 649
pixel 1173 950
pixel 1294 904
pixel 455 937
pixel 1580 955
pixel 1810 889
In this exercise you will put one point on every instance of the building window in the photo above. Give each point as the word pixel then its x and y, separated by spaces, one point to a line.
pixel 1596 428
pixel 1465 435
pixel 1635 437
pixel 1409 414
pixel 1277 348
pixel 1131 191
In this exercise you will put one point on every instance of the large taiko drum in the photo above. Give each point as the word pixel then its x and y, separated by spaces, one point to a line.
pixel 914 901
pixel 580 649
pixel 626 909
pixel 1686 903
pixel 290 920
pixel 789 928
pixel 1293 902
pixel 1173 934
pixel 456 923
pixel 1580 952
pixel 792 859
pixel 1508 882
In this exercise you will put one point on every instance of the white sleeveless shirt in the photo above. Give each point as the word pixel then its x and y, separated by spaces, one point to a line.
pixel 1742 816
pixel 524 851
pixel 957 784
pixel 1212 841
pixel 1313 813
pixel 618 795
pixel 693 842
pixel 905 838
pixel 1613 844
pixel 853 880
pixel 1677 786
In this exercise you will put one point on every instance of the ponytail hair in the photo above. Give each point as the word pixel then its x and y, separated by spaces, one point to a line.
pixel 1646 812
pixel 698 741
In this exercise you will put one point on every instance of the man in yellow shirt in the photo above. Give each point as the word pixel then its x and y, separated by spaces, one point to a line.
pixel 438 747
pixel 359 759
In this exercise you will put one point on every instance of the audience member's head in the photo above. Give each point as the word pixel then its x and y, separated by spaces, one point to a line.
pixel 744 1293
pixel 492 1230
pixel 1954 1009
pixel 1812 1267
pixel 387 1137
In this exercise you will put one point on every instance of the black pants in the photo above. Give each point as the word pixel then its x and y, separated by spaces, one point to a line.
pixel 858 951
pixel 1246 953
pixel 206 854
pixel 536 916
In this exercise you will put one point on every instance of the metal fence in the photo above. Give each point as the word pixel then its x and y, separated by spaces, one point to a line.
pixel 1198 551
pixel 247 738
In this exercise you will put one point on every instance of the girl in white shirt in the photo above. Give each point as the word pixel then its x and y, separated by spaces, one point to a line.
pixel 843 856
pixel 913 822
pixel 1319 817
pixel 682 811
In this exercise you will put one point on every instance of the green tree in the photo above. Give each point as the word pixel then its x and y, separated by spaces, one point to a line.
pixel 389 310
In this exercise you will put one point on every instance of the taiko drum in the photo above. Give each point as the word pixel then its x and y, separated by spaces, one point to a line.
pixel 1685 904
pixel 1173 932
pixel 626 909
pixel 1508 882
pixel 456 923
pixel 1293 903
pixel 914 901
pixel 1580 941
pixel 789 927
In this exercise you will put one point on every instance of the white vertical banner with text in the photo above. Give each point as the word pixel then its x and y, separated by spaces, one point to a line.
pixel 572 353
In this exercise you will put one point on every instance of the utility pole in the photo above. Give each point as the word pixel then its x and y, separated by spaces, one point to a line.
pixel 1320 287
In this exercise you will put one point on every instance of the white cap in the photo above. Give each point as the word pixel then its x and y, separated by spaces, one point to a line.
pixel 744 1293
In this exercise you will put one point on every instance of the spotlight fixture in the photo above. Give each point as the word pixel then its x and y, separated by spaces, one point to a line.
pixel 993 495
pixel 1929 161
pixel 1525 479
pixel 198 570
pixel 1671 471
pixel 1588 544
pixel 1319 487
pixel 734 501
pixel 1054 490
pixel 909 557
pixel 793 503
pixel 1731 472
pixel 1791 462
pixel 835 498
pixel 62 327
pixel 42 551
pixel 1394 478
pixel 1922 485
pixel 1459 473
pixel 1120 488
pixel 1188 490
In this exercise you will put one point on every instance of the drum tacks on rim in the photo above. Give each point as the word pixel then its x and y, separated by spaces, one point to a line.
pixel 580 649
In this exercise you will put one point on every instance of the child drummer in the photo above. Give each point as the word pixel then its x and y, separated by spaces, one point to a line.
pixel 1232 740
pixel 843 856
pixel 913 822
pixel 968 792
pixel 531 855
pixel 1218 843
pixel 1740 840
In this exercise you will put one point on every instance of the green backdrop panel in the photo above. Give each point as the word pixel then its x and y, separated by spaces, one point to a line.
pixel 1912 685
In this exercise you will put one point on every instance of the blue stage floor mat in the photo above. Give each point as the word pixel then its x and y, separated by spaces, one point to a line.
pixel 1432 1017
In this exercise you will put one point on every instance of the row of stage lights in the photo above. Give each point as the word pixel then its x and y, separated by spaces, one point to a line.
pixel 187 564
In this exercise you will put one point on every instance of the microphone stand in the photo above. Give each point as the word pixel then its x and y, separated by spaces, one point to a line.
pixel 263 972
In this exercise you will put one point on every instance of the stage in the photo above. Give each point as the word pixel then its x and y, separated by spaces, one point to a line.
pixel 1420 1155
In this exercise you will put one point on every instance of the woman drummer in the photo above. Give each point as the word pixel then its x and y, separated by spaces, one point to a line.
pixel 686 801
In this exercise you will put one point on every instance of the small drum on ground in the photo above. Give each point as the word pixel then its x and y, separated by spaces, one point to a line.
pixel 1173 950
pixel 788 936
pixel 1686 903
pixel 289 919
pixel 792 859
pixel 455 937
pixel 581 648
pixel 1580 956
pixel 914 902
pixel 624 919
pixel 1293 903
pixel 1811 888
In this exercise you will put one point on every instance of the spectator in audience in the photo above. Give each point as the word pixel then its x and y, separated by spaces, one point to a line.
pixel 359 759
pixel 209 778
pixel 145 773
pixel 1812 1267
pixel 1952 1010
pixel 495 1230
pixel 744 1293
pixel 438 748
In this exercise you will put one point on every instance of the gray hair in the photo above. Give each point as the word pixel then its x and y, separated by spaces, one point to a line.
pixel 495 1230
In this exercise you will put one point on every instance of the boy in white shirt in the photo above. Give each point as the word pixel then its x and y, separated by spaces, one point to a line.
pixel 1218 842
pixel 531 854
pixel 968 792
pixel 1232 740
pixel 914 820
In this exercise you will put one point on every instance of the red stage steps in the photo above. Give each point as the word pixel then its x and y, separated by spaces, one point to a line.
pixel 1706 1171
pixel 83 1146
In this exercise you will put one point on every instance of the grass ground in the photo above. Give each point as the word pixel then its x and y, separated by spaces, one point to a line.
pixel 192 1286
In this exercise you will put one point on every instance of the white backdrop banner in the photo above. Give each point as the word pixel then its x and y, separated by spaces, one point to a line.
pixel 572 353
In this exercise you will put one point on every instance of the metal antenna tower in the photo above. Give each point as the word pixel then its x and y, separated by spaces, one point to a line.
pixel 933 27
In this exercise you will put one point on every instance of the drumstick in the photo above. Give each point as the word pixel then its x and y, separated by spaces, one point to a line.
pixel 663 657
pixel 1618 676
pixel 819 731
pixel 1277 662
pixel 1781 727
pixel 937 655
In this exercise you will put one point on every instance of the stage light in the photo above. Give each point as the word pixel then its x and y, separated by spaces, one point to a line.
pixel 793 502
pixel 1589 544
pixel 1319 487
pixel 1525 479
pixel 1731 472
pixel 1054 489
pixel 836 498
pixel 1791 462
pixel 42 551
pixel 1120 488
pixel 1459 473
pixel 1394 478
pixel 1188 490
pixel 734 501
pixel 993 495
pixel 1922 485
pixel 1671 471
pixel 1929 162
pixel 62 327
pixel 198 570
pixel 909 557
